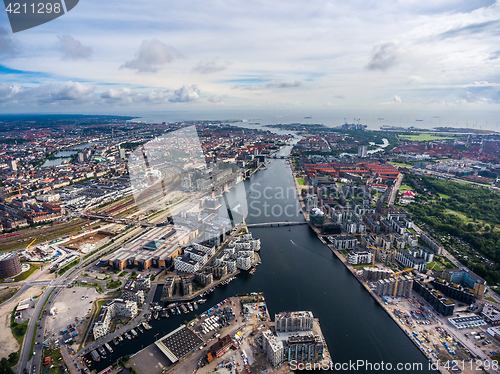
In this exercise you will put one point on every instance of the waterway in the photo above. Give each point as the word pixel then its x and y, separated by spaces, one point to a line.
pixel 66 154
pixel 298 272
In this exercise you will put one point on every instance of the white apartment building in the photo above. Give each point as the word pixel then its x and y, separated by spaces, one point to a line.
pixel 116 307
pixel 231 265
pixel 208 250
pixel 293 321
pixel 185 264
pixel 244 263
pixel 274 348
pixel 359 257
pixel 198 256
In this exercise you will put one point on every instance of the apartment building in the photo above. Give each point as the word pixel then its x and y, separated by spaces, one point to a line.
pixel 293 321
pixel 116 307
pixel 273 348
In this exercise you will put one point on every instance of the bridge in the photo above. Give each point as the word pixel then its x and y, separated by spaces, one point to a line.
pixel 275 224
pixel 124 221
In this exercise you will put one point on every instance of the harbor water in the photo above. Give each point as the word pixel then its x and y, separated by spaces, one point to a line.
pixel 298 272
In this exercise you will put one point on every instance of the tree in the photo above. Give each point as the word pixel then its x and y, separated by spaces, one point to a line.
pixel 4 367
pixel 13 357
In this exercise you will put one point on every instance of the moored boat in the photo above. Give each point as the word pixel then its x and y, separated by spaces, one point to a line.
pixel 108 347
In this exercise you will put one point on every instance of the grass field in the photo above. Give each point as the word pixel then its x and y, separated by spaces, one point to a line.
pixel 55 359
pixel 301 181
pixel 402 164
pixel 405 187
pixel 113 284
pixel 467 219
pixel 26 274
pixel 425 137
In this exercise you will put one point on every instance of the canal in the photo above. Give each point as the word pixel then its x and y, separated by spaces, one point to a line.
pixel 298 272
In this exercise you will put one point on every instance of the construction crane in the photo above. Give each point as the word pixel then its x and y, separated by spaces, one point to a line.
pixel 375 249
pixel 29 245
pixel 88 221
pixel 397 279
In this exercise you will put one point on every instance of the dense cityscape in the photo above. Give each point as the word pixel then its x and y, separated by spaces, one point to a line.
pixel 111 225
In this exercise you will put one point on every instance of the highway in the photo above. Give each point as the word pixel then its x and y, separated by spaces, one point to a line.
pixel 53 289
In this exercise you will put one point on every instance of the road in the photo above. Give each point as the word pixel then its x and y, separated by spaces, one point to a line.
pixel 53 289
pixel 134 322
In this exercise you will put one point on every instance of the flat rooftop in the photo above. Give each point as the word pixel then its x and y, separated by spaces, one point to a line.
pixel 178 343
pixel 161 242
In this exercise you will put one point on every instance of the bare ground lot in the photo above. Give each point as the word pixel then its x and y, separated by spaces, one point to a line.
pixel 80 242
pixel 72 309
pixel 8 343
pixel 48 232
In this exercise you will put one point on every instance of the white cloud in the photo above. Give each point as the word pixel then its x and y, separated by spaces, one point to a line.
pixel 384 56
pixel 210 66
pixel 185 94
pixel 67 91
pixel 284 52
pixel 151 55
pixel 284 84
pixel 397 99
pixel 73 49
pixel 7 47
pixel 8 92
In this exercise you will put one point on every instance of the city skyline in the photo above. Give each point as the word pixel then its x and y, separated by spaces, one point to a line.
pixel 392 57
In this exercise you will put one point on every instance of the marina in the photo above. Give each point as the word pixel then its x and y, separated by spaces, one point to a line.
pixel 302 264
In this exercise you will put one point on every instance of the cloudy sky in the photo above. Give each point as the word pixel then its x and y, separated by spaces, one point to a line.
pixel 119 56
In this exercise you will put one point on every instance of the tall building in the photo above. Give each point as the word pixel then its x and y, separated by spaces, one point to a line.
pixel 10 266
pixel 273 347
pixel 116 307
pixel 122 154
pixel 362 151
pixel 293 321
pixel 13 165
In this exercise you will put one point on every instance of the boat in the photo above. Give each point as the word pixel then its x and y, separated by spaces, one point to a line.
pixel 141 330
pixel 95 356
pixel 195 305
pixel 172 305
pixel 120 338
pixel 322 239
pixel 178 310
pixel 102 351
pixel 146 326
pixel 115 341
pixel 190 307
pixel 108 347
pixel 134 333
pixel 252 271
pixel 128 336
pixel 156 315
pixel 164 313
pixel 201 301
pixel 184 309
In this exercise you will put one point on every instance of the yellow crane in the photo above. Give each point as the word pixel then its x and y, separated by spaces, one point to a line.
pixel 397 279
pixel 29 245
pixel 375 249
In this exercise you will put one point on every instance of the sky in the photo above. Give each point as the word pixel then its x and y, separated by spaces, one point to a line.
pixel 125 56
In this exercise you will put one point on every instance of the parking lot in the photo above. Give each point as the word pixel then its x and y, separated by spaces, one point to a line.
pixel 71 307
